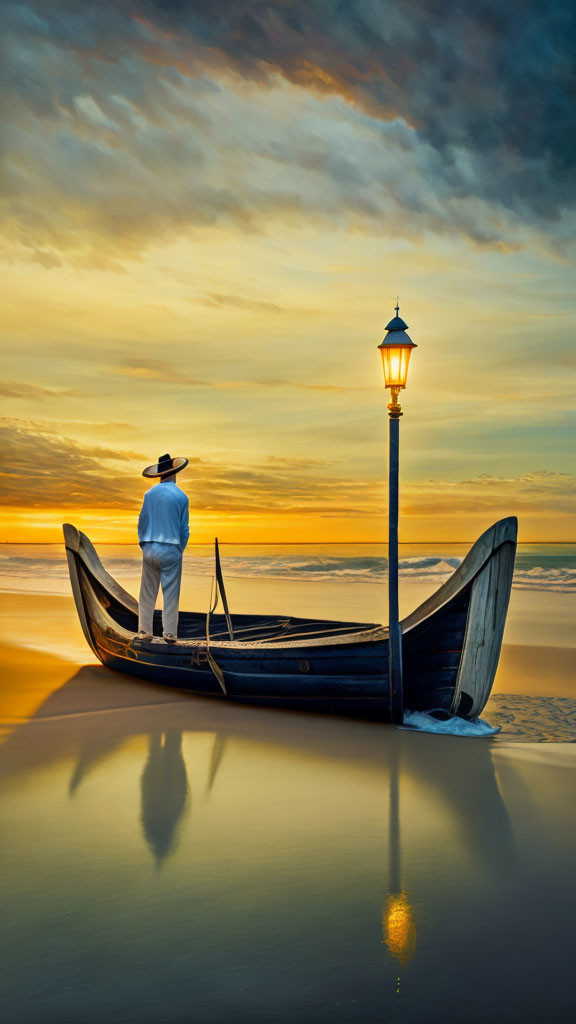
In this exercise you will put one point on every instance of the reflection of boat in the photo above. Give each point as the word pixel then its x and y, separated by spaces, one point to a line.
pixel 80 724
pixel 451 644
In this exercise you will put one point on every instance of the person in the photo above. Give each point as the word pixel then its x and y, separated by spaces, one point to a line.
pixel 163 534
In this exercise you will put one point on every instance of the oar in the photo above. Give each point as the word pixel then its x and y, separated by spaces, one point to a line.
pixel 221 587
pixel 216 670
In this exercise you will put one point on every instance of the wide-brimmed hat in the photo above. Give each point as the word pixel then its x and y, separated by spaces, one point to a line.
pixel 166 466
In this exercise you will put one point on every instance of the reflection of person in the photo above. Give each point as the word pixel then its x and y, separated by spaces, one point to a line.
pixel 164 792
pixel 163 534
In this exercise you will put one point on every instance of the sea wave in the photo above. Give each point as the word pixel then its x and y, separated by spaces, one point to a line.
pixel 532 573
pixel 562 580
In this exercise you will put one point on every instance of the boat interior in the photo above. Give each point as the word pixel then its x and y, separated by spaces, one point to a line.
pixel 268 629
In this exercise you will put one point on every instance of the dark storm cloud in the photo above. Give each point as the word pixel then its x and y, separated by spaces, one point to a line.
pixel 493 77
pixel 120 130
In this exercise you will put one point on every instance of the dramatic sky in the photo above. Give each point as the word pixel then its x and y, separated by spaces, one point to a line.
pixel 209 209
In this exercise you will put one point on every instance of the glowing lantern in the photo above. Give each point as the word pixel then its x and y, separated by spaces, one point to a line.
pixel 396 349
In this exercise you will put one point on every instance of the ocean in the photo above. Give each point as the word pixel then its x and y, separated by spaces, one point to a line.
pixel 539 567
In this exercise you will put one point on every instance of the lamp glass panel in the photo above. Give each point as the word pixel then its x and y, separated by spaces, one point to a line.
pixel 395 359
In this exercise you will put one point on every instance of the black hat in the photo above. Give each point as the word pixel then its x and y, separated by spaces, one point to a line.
pixel 166 466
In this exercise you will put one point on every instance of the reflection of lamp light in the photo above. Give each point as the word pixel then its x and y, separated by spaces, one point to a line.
pixel 398 927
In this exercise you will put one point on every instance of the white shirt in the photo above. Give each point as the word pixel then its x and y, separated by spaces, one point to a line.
pixel 164 516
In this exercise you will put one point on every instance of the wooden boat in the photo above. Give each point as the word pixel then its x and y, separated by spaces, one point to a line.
pixel 451 643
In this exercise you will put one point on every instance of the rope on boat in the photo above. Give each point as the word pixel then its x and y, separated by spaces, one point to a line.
pixel 320 639
pixel 287 630
pixel 344 630
pixel 216 670
pixel 257 629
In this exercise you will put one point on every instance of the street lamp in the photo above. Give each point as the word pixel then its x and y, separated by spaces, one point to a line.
pixel 395 349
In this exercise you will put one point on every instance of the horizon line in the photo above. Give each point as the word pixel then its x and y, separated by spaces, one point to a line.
pixel 276 543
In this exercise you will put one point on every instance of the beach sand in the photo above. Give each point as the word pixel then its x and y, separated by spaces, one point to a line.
pixel 166 858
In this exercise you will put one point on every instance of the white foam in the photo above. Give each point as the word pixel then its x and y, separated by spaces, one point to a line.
pixel 420 721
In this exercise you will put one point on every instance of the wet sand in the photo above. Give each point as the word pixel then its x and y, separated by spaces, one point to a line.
pixel 166 858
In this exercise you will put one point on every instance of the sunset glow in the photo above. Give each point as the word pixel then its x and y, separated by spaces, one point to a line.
pixel 202 250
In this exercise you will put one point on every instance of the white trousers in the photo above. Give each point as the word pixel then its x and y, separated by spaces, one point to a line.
pixel 161 564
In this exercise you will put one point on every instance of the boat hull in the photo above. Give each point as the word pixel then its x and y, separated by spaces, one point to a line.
pixel 450 645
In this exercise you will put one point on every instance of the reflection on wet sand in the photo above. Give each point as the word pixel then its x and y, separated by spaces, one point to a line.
pixel 94 750
pixel 398 924
pixel 399 927
pixel 216 760
pixel 306 861
pixel 164 784
pixel 74 721
pixel 164 788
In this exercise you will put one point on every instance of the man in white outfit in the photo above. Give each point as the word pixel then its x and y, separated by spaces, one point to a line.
pixel 163 534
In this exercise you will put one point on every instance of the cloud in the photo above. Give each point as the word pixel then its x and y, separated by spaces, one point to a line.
pixel 48 260
pixel 483 78
pixel 59 426
pixel 46 470
pixel 159 309
pixel 20 389
pixel 536 493
pixel 276 383
pixel 171 119
pixel 157 371
pixel 218 300
pixel 297 462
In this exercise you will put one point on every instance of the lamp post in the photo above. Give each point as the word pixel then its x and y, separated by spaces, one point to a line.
pixel 395 350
